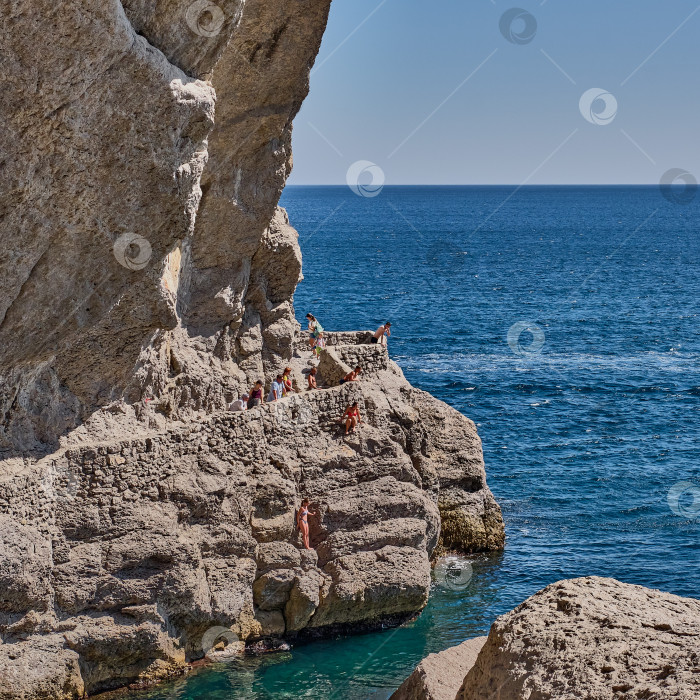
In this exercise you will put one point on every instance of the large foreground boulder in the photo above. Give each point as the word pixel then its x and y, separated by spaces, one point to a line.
pixel 440 676
pixel 592 638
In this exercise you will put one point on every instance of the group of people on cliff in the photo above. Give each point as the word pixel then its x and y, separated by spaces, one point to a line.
pixel 317 339
pixel 283 386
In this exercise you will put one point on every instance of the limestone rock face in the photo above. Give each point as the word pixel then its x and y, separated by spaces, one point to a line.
pixel 592 638
pixel 440 676
pixel 103 145
pixel 146 281
pixel 143 151
pixel 44 668
pixel 133 550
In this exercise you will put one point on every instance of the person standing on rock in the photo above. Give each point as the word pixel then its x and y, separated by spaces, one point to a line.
pixel 352 376
pixel 256 395
pixel 382 333
pixel 303 521
pixel 312 379
pixel 315 328
pixel 351 417
pixel 277 389
pixel 319 344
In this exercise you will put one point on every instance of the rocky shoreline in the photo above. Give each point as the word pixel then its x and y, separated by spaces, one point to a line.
pixel 141 547
pixel 148 282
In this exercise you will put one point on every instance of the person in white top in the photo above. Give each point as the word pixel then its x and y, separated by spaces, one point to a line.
pixel 240 404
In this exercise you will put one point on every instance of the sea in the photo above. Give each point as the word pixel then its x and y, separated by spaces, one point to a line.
pixel 564 322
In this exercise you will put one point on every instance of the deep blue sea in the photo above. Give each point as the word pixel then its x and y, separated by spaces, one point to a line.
pixel 564 322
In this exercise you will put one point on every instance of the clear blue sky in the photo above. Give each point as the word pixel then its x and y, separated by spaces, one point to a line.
pixel 379 78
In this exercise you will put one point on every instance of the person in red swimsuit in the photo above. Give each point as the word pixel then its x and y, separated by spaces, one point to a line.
pixel 287 381
pixel 351 417
pixel 303 521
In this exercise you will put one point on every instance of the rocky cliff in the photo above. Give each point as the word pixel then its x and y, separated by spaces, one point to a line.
pixel 591 638
pixel 144 148
pixel 146 281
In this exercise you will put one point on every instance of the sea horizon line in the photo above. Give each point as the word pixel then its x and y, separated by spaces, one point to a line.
pixel 631 184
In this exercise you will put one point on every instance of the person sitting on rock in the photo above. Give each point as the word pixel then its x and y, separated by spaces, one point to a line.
pixel 287 381
pixel 277 389
pixel 303 521
pixel 240 404
pixel 352 376
pixel 351 417
pixel 382 333
pixel 256 395
pixel 312 379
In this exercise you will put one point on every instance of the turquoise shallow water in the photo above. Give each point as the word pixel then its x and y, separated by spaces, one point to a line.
pixel 583 439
